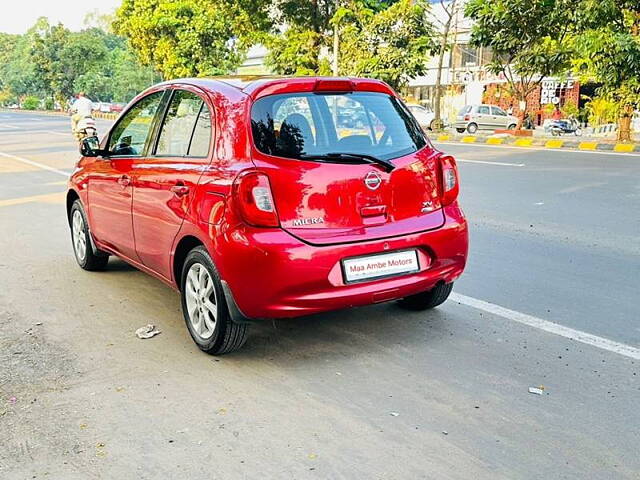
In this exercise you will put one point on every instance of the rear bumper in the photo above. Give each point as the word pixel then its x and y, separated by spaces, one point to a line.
pixel 272 274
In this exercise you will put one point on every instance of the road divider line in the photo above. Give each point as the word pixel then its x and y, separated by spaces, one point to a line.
pixel 5 125
pixel 59 133
pixel 502 164
pixel 57 197
pixel 35 164
pixel 550 327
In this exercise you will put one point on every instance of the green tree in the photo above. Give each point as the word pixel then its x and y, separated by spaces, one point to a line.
pixel 191 37
pixel 391 44
pixel 386 40
pixel 18 69
pixel 529 40
pixel 608 46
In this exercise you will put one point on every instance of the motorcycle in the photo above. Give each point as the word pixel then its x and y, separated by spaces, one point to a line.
pixel 86 127
pixel 560 127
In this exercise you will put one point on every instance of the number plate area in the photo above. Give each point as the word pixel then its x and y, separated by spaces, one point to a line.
pixel 380 266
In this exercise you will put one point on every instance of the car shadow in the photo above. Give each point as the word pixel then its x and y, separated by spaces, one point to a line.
pixel 348 333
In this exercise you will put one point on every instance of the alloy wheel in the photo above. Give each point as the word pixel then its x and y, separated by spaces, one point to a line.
pixel 202 306
pixel 79 236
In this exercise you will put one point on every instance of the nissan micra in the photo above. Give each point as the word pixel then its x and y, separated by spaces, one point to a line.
pixel 256 199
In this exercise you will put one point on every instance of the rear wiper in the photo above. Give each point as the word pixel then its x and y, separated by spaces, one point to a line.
pixel 387 166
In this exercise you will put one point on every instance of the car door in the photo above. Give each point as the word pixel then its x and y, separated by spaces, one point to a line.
pixel 484 117
pixel 110 184
pixel 500 118
pixel 165 181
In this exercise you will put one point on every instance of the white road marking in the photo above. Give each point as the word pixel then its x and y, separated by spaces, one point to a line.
pixel 59 133
pixel 550 327
pixel 501 164
pixel 6 125
pixel 35 164
pixel 535 149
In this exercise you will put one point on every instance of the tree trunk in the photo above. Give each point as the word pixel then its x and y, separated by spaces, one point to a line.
pixel 437 120
pixel 624 124
pixel 522 112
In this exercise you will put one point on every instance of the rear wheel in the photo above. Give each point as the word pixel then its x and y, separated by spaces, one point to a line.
pixel 472 128
pixel 81 240
pixel 511 127
pixel 204 306
pixel 429 299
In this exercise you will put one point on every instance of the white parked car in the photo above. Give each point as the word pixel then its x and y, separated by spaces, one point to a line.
pixel 424 115
pixel 483 117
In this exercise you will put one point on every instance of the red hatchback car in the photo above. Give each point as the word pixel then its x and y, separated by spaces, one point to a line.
pixel 271 198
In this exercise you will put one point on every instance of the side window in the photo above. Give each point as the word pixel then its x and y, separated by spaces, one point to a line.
pixel 178 124
pixel 201 134
pixel 483 110
pixel 130 134
pixel 498 111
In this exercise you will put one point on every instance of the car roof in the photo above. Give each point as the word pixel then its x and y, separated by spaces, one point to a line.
pixel 260 85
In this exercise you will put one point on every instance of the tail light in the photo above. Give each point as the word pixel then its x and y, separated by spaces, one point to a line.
pixel 255 201
pixel 449 182
pixel 467 118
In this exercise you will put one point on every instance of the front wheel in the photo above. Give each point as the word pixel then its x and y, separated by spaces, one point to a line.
pixel 204 306
pixel 81 240
pixel 429 299
pixel 460 130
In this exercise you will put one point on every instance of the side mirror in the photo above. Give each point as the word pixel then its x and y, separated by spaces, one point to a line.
pixel 90 147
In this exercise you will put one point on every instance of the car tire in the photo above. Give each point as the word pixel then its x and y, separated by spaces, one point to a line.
pixel 431 124
pixel 512 126
pixel 472 128
pixel 429 299
pixel 460 130
pixel 578 132
pixel 204 306
pixel 87 258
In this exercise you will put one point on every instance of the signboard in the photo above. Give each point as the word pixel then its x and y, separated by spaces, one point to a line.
pixel 549 91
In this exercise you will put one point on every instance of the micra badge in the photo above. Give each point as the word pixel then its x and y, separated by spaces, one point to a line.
pixel 299 222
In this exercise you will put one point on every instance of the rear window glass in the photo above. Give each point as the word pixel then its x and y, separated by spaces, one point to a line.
pixel 465 110
pixel 314 124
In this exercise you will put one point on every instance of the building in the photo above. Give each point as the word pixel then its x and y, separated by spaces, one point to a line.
pixel 465 78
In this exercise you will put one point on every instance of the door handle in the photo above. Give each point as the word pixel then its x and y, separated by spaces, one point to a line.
pixel 180 189
pixel 124 180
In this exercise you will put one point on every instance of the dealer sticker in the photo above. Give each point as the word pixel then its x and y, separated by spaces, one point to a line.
pixel 376 266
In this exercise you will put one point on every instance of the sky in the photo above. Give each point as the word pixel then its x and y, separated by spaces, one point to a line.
pixel 18 15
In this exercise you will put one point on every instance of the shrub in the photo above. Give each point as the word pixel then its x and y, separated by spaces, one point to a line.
pixel 31 103
pixel 570 109
pixel 601 111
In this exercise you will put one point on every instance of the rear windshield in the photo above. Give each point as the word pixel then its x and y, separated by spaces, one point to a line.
pixel 465 109
pixel 366 123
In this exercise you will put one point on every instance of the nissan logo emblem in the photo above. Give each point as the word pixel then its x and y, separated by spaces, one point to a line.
pixel 373 180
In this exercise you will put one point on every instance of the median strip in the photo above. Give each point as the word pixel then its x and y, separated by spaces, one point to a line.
pixel 570 143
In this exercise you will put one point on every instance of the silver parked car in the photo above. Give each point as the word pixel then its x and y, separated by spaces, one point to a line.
pixel 424 115
pixel 483 117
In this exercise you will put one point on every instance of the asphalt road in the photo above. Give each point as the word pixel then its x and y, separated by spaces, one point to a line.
pixel 550 298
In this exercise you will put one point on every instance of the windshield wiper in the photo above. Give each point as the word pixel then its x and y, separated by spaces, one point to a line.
pixel 333 156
